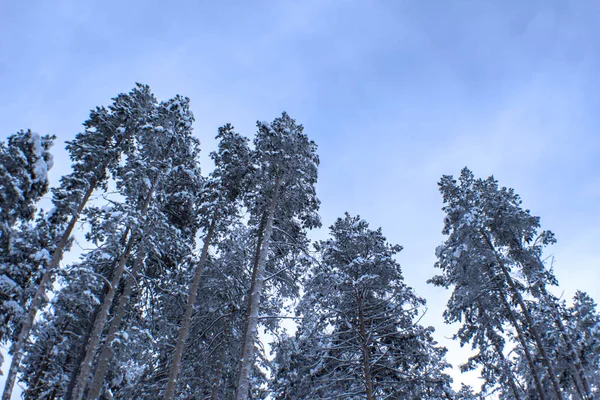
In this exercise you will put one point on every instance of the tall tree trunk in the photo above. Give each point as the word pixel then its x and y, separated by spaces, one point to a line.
pixel 77 363
pixel 366 352
pixel 40 294
pixel 81 355
pixel 530 323
pixel 261 231
pixel 106 350
pixel 247 356
pixel 187 316
pixel 100 321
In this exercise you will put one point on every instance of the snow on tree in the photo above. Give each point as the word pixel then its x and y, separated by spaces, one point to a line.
pixel 583 323
pixel 164 249
pixel 359 337
pixel 220 205
pixel 492 243
pixel 282 191
pixel 95 153
pixel 24 163
pixel 141 180
pixel 573 344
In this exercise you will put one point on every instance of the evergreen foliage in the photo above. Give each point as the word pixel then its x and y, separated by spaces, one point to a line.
pixel 184 278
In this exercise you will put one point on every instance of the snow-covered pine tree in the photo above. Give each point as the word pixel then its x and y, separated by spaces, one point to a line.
pixel 528 255
pixel 24 163
pixel 209 364
pixel 167 129
pixel 563 363
pixel 220 198
pixel 95 153
pixel 282 186
pixel 582 323
pixel 571 344
pixel 484 223
pixel 359 337
pixel 167 247
pixel 210 370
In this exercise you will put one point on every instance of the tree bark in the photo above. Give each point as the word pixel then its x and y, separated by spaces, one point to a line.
pixel 187 316
pixel 100 321
pixel 106 350
pixel 40 294
pixel 247 356
pixel 530 324
pixel 77 363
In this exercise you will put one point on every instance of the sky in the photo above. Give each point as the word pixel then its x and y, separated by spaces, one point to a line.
pixel 395 93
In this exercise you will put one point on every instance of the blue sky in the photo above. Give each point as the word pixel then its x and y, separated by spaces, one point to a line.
pixel 396 93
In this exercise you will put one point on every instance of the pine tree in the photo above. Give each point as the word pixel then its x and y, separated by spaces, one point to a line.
pixel 488 230
pixel 210 370
pixel 568 341
pixel 167 246
pixel 358 337
pixel 209 363
pixel 221 195
pixel 143 176
pixel 282 191
pixel 95 154
pixel 24 163
pixel 583 325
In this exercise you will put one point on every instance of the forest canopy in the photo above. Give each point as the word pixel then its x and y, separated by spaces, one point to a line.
pixel 187 277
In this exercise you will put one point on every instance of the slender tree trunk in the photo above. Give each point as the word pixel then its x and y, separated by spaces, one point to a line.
pixel 583 382
pixel 261 231
pixel 100 321
pixel 40 294
pixel 530 324
pixel 533 330
pixel 577 384
pixel 106 350
pixel 77 363
pixel 247 358
pixel 366 352
pixel 187 317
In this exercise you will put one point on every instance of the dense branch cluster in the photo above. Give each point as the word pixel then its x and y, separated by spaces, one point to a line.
pixel 186 277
